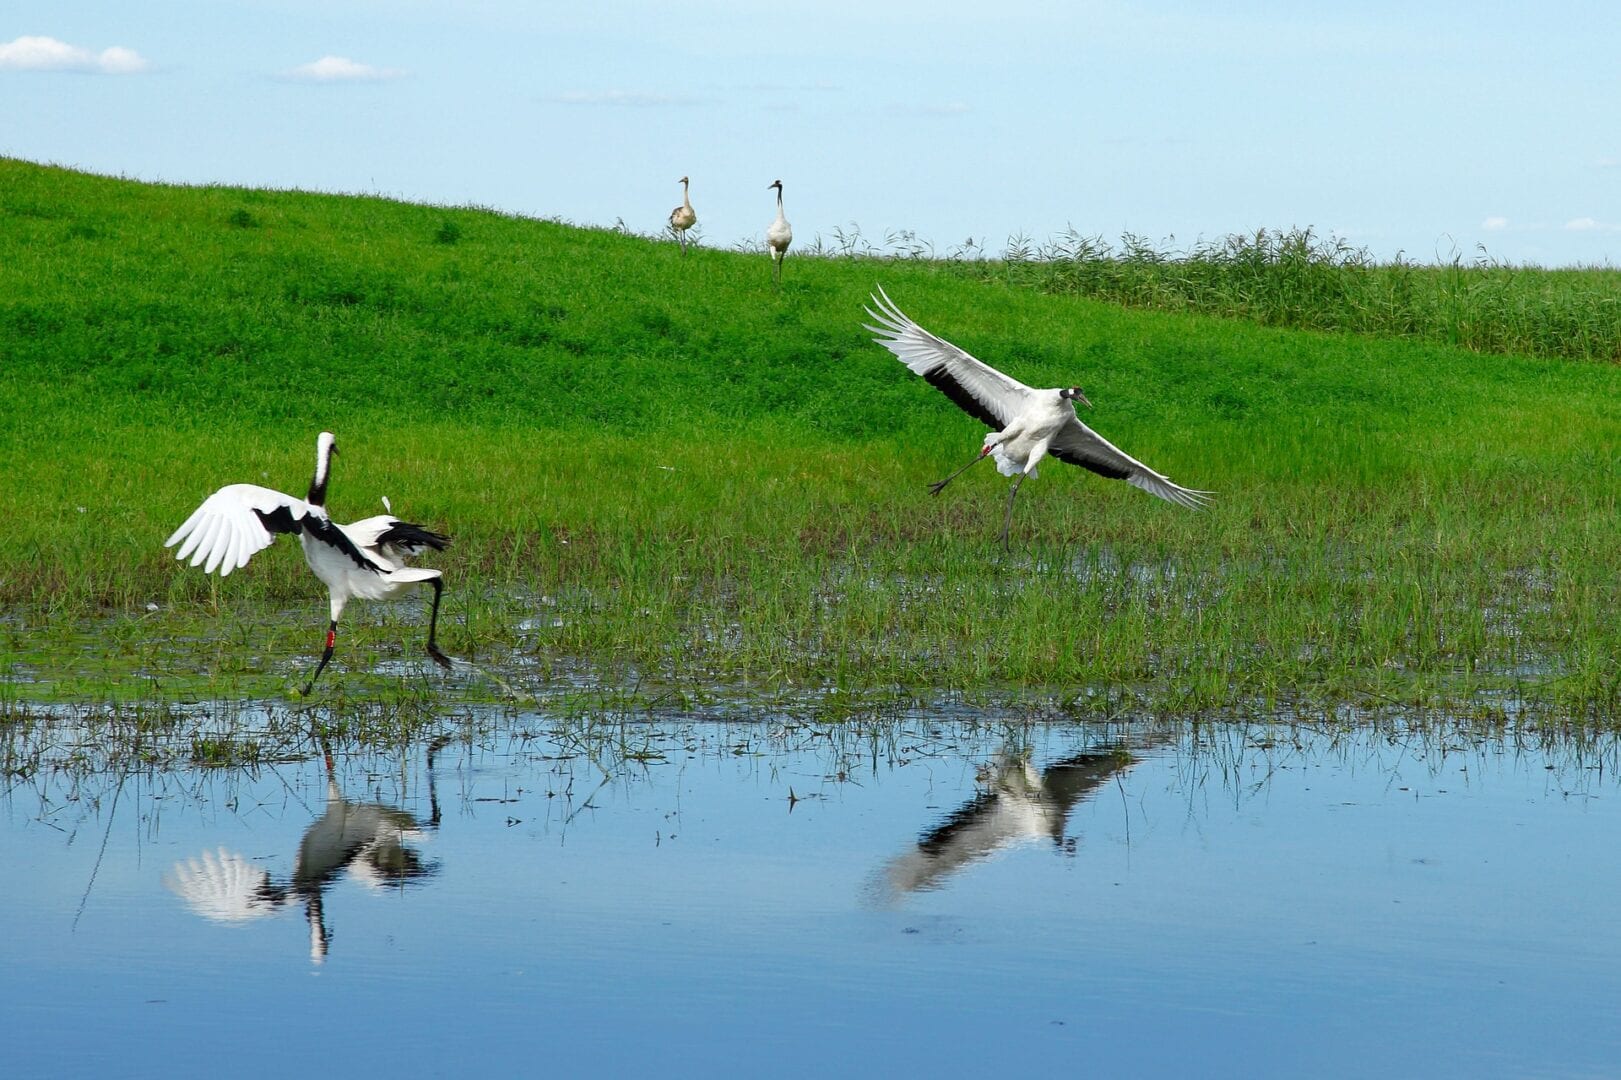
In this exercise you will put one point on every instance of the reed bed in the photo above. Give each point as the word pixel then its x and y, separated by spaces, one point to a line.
pixel 1296 278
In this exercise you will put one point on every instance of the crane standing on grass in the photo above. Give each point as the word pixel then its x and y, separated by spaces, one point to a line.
pixel 365 559
pixel 1030 424
pixel 683 217
pixel 778 236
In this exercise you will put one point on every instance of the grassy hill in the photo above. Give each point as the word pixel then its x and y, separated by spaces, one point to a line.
pixel 663 467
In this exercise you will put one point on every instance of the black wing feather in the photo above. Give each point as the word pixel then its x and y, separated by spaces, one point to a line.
pixel 326 532
pixel 412 538
pixel 279 520
pixel 938 838
pixel 940 378
pixel 1103 468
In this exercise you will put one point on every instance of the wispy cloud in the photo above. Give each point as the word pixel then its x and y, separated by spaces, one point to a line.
pixel 342 69
pixel 49 54
pixel 629 99
pixel 1587 224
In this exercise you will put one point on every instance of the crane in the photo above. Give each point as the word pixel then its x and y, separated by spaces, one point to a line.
pixel 683 217
pixel 1017 804
pixel 778 236
pixel 373 841
pixel 1028 424
pixel 366 559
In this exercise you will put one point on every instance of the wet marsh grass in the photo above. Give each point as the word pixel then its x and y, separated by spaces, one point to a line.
pixel 663 473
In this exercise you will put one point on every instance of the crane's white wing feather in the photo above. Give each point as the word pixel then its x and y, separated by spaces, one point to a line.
pixel 222 888
pixel 367 531
pixel 233 524
pixel 977 388
pixel 1080 445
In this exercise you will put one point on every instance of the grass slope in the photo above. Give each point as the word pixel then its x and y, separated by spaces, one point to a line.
pixel 663 466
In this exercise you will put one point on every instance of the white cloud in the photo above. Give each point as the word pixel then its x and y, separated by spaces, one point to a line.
pixel 1495 223
pixel 49 54
pixel 625 98
pixel 342 69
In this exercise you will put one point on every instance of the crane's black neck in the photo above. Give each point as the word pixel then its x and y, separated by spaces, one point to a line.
pixel 317 495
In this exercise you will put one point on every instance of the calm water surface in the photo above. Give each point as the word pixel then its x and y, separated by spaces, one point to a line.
pixel 920 897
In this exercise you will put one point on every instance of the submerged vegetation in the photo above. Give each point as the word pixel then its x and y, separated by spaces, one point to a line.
pixel 662 473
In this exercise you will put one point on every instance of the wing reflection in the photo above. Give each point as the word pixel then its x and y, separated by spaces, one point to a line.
pixel 371 841
pixel 1015 804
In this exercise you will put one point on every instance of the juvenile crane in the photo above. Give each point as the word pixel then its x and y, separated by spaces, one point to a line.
pixel 364 560
pixel 1028 424
pixel 778 236
pixel 683 217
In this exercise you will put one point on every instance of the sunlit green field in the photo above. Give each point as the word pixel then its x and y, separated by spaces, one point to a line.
pixel 663 471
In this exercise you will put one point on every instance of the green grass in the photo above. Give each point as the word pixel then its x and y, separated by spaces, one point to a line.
pixel 662 471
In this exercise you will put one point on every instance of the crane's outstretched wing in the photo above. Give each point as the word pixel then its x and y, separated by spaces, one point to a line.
pixel 978 389
pixel 234 523
pixel 223 888
pixel 1080 445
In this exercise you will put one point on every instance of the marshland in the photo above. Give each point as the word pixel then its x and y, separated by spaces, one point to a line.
pixel 747 731
pixel 665 471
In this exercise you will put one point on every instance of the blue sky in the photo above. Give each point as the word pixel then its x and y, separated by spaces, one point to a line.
pixel 1422 128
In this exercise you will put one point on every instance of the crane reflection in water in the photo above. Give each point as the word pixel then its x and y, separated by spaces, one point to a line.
pixel 373 842
pixel 1014 804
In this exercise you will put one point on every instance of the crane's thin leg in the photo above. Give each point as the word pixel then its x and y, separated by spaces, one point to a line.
pixel 433 792
pixel 939 485
pixel 331 641
pixel 433 625
pixel 1007 518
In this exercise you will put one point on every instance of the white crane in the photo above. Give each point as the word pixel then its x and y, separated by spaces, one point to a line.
pixel 365 559
pixel 683 217
pixel 778 236
pixel 1029 424
pixel 372 841
pixel 1017 805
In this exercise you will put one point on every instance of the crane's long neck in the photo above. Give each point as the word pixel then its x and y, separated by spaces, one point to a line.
pixel 323 467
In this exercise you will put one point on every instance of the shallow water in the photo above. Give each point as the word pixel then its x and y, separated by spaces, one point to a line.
pixel 918 897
